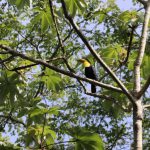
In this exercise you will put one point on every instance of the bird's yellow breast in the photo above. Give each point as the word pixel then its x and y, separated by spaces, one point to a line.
pixel 86 64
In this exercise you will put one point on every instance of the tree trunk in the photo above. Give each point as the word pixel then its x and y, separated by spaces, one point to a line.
pixel 137 124
pixel 137 106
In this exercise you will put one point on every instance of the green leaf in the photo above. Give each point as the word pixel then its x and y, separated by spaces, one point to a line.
pixel 52 79
pixel 76 6
pixel 44 17
pixel 40 111
pixel 5 42
pixel 129 16
pixel 9 82
pixel 113 54
pixel 19 3
pixel 22 112
pixel 107 105
pixel 86 140
pixel 44 23
pixel 38 130
pixel 145 67
pixel 99 14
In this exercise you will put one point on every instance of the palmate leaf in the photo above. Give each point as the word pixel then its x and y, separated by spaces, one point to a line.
pixel 113 54
pixel 44 17
pixel 86 140
pixel 75 6
pixel 37 131
pixel 52 80
pixel 128 16
pixel 19 3
pixel 40 111
pixel 145 64
pixel 8 85
pixel 101 14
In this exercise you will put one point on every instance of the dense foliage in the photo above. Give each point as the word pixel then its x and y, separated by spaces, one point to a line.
pixel 41 108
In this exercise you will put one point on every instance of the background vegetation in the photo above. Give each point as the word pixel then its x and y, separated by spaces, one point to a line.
pixel 45 99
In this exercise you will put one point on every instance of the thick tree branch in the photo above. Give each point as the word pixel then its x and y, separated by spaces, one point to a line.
pixel 31 65
pixel 138 109
pixel 3 52
pixel 70 74
pixel 146 106
pixel 143 2
pixel 94 53
pixel 145 87
pixel 138 62
pixel 7 59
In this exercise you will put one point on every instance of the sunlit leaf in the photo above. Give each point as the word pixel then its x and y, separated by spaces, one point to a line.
pixel 75 6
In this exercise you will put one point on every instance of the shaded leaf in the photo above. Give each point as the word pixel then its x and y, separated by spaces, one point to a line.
pixel 86 140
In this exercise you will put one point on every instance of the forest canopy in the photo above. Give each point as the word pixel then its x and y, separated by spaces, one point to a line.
pixel 46 100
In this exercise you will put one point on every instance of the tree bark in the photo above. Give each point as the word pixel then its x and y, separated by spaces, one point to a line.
pixel 137 124
pixel 138 107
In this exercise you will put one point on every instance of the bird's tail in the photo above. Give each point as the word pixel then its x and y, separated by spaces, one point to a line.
pixel 93 88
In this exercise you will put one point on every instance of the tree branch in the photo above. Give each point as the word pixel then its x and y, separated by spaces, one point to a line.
pixel 55 24
pixel 130 44
pixel 64 142
pixel 31 65
pixel 108 98
pixel 7 59
pixel 58 46
pixel 146 106
pixel 138 61
pixel 94 53
pixel 13 119
pixel 145 87
pixel 3 52
pixel 23 67
pixel 70 74
pixel 143 2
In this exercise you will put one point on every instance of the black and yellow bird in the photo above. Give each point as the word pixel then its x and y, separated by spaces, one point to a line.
pixel 89 72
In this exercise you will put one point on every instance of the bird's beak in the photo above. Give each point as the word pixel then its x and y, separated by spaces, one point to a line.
pixel 80 60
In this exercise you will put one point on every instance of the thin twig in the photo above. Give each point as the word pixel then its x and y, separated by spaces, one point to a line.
pixel 56 27
pixel 130 44
pixel 58 46
pixel 58 143
pixel 13 119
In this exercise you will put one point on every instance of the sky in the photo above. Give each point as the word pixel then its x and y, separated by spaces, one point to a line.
pixel 126 4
